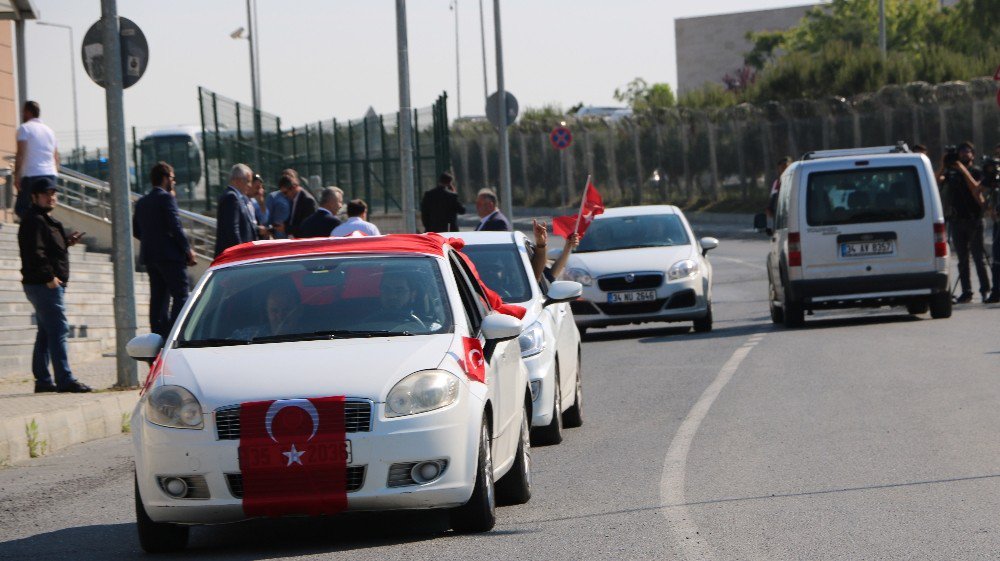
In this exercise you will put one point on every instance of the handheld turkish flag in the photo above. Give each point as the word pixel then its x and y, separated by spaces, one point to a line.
pixel 475 363
pixel 591 206
pixel 293 456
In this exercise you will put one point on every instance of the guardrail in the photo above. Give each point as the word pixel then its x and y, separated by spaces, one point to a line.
pixel 92 196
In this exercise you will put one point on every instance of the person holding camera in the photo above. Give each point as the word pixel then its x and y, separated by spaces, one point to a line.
pixel 963 182
pixel 991 185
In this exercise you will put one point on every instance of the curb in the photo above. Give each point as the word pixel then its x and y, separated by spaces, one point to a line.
pixel 58 428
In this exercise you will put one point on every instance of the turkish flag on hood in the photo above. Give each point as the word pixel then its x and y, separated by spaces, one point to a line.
pixel 591 206
pixel 293 456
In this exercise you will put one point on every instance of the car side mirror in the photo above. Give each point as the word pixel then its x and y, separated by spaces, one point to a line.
pixel 563 291
pixel 554 253
pixel 708 244
pixel 497 328
pixel 145 348
pixel 760 221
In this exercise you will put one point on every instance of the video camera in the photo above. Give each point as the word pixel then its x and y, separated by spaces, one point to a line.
pixel 950 155
pixel 991 170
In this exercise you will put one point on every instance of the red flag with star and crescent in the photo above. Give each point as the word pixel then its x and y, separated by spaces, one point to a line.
pixel 293 457
pixel 474 361
pixel 591 206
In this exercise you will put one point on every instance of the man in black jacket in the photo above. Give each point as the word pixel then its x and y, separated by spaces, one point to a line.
pixel 440 207
pixel 324 220
pixel 163 249
pixel 44 249
pixel 235 221
pixel 491 219
pixel 303 203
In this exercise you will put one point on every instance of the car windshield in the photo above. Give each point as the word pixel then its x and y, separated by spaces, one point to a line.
pixel 319 298
pixel 501 268
pixel 864 195
pixel 626 232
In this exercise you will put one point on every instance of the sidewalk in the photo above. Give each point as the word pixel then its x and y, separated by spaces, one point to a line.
pixel 61 419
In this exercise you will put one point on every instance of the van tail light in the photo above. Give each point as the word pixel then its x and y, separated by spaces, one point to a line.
pixel 794 250
pixel 940 240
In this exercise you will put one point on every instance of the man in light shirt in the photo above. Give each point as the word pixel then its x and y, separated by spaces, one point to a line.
pixel 37 159
pixel 357 213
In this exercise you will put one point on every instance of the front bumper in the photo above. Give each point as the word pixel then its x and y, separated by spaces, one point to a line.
pixel 682 300
pixel 542 372
pixel 447 434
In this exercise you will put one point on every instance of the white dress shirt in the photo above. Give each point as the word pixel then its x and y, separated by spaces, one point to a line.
pixel 355 224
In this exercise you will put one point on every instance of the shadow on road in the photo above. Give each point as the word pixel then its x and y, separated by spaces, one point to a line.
pixel 253 539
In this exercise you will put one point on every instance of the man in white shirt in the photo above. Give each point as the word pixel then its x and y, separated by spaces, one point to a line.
pixel 37 158
pixel 357 213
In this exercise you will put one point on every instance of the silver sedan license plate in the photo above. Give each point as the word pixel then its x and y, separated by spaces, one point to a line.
pixel 631 296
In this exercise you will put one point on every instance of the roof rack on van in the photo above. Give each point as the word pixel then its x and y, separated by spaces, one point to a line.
pixel 899 148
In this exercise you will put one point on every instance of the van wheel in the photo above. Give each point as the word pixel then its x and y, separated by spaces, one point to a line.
pixel 479 514
pixel 940 305
pixel 157 537
pixel 704 325
pixel 917 308
pixel 515 487
pixel 552 433
pixel 794 314
pixel 777 314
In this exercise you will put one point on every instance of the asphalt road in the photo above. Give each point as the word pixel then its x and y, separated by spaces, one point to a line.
pixel 865 435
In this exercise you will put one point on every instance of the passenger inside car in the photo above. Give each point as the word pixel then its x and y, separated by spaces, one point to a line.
pixel 281 305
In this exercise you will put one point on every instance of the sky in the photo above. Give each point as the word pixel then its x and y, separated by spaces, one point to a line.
pixel 321 59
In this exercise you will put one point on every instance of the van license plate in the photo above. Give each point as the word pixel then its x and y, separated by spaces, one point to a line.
pixel 631 296
pixel 868 248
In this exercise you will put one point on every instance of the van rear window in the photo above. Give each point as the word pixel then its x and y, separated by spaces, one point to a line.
pixel 859 196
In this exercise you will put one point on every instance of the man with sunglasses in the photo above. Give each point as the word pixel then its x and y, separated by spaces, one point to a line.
pixel 163 249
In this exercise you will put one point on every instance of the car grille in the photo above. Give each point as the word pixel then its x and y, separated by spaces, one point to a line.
pixel 632 308
pixel 355 480
pixel 619 282
pixel 357 418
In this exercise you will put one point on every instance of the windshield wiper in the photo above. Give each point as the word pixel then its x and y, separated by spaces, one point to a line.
pixel 194 343
pixel 328 334
pixel 348 333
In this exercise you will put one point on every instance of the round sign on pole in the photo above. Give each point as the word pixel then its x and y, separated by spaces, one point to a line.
pixel 561 138
pixel 134 48
pixel 493 109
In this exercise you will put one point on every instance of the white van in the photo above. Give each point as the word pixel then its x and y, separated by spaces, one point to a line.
pixel 858 228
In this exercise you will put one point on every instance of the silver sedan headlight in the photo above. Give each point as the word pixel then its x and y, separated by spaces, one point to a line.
pixel 420 392
pixel 174 407
pixel 532 340
pixel 581 276
pixel 683 269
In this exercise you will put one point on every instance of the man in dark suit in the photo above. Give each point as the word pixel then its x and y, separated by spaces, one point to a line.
pixel 235 222
pixel 492 220
pixel 324 220
pixel 440 207
pixel 303 203
pixel 163 249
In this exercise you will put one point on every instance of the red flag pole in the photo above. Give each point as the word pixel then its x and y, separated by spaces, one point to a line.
pixel 583 201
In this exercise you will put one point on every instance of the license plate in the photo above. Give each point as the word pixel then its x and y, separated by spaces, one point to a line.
pixel 258 456
pixel 868 248
pixel 631 296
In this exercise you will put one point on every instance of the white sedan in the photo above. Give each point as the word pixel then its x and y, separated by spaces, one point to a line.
pixel 642 264
pixel 310 377
pixel 550 343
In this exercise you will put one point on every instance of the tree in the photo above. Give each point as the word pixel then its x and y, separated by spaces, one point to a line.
pixel 643 97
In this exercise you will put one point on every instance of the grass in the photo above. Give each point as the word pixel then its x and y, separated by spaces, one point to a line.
pixel 36 447
pixel 126 422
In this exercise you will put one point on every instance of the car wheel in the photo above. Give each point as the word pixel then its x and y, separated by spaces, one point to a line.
pixel 795 316
pixel 917 308
pixel 777 314
pixel 573 417
pixel 551 433
pixel 515 487
pixel 704 325
pixel 940 305
pixel 157 537
pixel 479 514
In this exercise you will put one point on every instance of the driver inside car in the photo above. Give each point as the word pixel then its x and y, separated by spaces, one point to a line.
pixel 398 294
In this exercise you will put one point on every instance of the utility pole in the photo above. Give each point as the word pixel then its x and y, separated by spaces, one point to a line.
pixel 405 114
pixel 881 29
pixel 254 77
pixel 458 67
pixel 482 38
pixel 121 205
pixel 506 198
pixel 72 74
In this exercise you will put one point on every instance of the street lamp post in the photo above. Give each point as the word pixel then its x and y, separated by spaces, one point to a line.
pixel 251 38
pixel 405 128
pixel 881 29
pixel 506 197
pixel 72 70
pixel 458 68
pixel 482 39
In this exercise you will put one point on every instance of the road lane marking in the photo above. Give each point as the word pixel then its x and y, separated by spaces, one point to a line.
pixel 685 532
pixel 741 262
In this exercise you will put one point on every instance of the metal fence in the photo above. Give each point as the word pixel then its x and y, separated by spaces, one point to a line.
pixel 360 156
pixel 705 157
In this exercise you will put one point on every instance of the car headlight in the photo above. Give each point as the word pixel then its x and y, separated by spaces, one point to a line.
pixel 420 392
pixel 174 407
pixel 683 269
pixel 581 276
pixel 532 340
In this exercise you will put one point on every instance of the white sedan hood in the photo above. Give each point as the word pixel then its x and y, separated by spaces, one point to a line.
pixel 365 368
pixel 601 263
